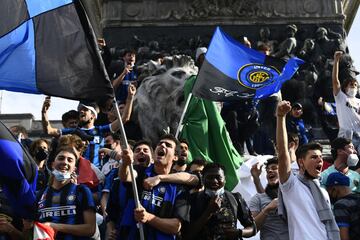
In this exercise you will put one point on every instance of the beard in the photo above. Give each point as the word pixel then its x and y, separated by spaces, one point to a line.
pixel 272 190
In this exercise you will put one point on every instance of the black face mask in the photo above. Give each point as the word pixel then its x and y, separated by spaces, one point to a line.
pixel 41 155
pixel 272 190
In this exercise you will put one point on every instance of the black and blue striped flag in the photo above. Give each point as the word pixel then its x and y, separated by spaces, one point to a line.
pixel 18 173
pixel 232 71
pixel 48 47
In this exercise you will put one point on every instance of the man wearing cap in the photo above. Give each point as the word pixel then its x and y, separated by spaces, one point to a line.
pixel 345 155
pixel 94 134
pixel 295 123
pixel 200 56
pixel 346 206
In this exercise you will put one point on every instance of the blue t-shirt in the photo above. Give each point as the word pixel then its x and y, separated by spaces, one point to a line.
pixel 92 151
pixel 122 91
pixel 66 206
pixel 165 200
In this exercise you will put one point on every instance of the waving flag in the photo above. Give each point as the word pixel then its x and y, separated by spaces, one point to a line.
pixel 18 173
pixel 232 71
pixel 48 47
pixel 205 131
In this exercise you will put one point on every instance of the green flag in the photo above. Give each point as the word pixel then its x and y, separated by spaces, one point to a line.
pixel 204 130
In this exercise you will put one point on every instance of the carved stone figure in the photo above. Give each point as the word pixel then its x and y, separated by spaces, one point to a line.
pixel 264 34
pixel 288 46
pixel 159 101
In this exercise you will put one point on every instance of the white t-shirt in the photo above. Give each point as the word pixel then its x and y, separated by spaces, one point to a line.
pixel 347 110
pixel 303 220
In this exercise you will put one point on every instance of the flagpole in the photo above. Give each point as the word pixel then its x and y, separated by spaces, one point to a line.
pixel 180 125
pixel 125 145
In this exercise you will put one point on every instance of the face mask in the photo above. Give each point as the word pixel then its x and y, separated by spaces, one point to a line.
pixel 352 160
pixel 41 155
pixel 351 92
pixel 213 193
pixel 60 176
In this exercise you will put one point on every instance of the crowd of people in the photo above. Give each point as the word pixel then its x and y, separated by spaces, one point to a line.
pixel 85 184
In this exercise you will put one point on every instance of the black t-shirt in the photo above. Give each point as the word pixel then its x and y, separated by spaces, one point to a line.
pixel 233 208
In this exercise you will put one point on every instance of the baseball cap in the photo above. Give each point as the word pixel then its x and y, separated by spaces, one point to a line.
pixel 337 179
pixel 88 106
pixel 297 105
pixel 199 51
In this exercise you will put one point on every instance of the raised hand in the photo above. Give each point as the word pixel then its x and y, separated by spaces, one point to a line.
pixel 283 108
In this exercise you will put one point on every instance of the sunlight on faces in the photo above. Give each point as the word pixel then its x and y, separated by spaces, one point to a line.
pixel 129 58
pixel 312 163
pixel 65 161
pixel 142 155
pixel 184 151
pixel 272 174
pixel 85 115
pixel 165 152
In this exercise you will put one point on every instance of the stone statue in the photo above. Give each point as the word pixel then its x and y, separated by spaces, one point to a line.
pixel 159 101
pixel 288 46
pixel 264 34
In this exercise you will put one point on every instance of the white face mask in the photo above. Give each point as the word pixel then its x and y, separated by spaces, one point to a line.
pixel 351 92
pixel 60 176
pixel 213 193
pixel 352 160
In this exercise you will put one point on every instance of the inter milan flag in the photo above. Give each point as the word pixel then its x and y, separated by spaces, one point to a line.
pixel 48 47
pixel 18 173
pixel 232 71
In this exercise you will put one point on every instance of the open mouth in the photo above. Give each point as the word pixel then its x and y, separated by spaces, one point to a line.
pixel 271 176
pixel 161 152
pixel 318 168
pixel 141 160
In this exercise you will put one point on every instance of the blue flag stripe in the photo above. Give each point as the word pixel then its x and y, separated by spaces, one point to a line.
pixel 228 56
pixel 287 72
pixel 20 51
pixel 35 8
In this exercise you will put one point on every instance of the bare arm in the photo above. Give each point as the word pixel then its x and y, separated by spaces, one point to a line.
pixel 116 83
pixel 344 233
pixel 261 216
pixel 255 173
pixel 103 203
pixel 179 178
pixel 335 73
pixel 129 104
pixel 124 169
pixel 165 225
pixel 47 128
pixel 111 233
pixel 87 229
pixel 282 141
